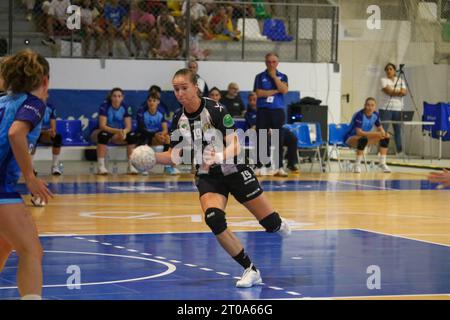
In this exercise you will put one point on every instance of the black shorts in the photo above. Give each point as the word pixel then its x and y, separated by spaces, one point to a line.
pixel 243 185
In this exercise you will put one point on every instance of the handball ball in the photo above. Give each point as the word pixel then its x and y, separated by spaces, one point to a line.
pixel 143 158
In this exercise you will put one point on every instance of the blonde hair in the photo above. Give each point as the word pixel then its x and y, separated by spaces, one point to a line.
pixel 24 71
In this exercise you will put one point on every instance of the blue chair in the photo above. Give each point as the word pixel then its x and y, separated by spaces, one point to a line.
pixel 275 30
pixel 71 132
pixel 336 138
pixel 305 139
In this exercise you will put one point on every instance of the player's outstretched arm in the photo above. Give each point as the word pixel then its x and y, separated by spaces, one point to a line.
pixel 164 158
pixel 442 177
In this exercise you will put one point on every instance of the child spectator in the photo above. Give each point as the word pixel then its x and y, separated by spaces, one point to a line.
pixel 153 129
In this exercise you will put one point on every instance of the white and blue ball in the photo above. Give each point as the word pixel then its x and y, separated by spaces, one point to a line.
pixel 143 158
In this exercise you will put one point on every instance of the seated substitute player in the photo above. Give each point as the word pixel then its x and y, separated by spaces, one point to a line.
pixel 152 128
pixel 114 125
pixel 49 136
pixel 360 134
pixel 215 179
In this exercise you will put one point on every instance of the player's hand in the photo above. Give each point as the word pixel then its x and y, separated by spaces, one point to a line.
pixel 210 156
pixel 124 134
pixel 272 73
pixel 38 188
pixel 442 177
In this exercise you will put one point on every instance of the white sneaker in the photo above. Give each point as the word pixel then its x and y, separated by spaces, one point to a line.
pixel 132 170
pixel 144 173
pixel 266 171
pixel 56 171
pixel 383 167
pixel 280 173
pixel 171 170
pixel 285 229
pixel 102 171
pixel 357 168
pixel 37 202
pixel 249 278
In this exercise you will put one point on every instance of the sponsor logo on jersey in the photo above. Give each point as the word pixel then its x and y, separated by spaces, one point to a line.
pixel 34 109
pixel 228 121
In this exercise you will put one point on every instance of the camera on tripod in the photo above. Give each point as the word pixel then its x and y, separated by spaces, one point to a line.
pixel 401 67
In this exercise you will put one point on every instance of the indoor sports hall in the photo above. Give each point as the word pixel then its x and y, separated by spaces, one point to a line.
pixel 364 225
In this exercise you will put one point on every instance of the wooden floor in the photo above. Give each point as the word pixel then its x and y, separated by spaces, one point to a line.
pixel 415 214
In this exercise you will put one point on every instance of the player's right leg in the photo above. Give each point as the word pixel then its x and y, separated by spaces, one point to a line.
pixel 18 228
pixel 102 138
pixel 213 205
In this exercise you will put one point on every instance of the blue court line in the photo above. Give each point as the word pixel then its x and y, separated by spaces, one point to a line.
pixel 273 186
pixel 310 263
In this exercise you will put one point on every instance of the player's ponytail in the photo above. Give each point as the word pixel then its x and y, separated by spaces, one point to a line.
pixel 24 71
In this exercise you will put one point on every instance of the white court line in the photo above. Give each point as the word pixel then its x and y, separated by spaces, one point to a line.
pixel 398 236
pixel 363 297
pixel 364 185
pixel 170 269
pixel 180 232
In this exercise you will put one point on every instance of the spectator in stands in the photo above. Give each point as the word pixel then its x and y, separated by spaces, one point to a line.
pixel 360 134
pixel 89 29
pixel 29 4
pixel 49 136
pixel 201 83
pixel 164 18
pixel 168 46
pixel 114 125
pixel 391 105
pixel 154 7
pixel 196 11
pixel 289 141
pixel 215 94
pixel 222 25
pixel 270 87
pixel 233 101
pixel 194 42
pixel 240 10
pixel 56 17
pixel 153 129
pixel 443 178
pixel 116 25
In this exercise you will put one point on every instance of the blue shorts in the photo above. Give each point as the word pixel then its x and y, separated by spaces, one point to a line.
pixel 10 198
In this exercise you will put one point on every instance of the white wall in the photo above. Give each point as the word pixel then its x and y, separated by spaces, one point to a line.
pixel 315 80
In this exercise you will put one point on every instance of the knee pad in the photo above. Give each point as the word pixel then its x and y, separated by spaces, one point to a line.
pixel 131 138
pixel 215 219
pixel 57 141
pixel 384 143
pixel 103 137
pixel 362 143
pixel 271 223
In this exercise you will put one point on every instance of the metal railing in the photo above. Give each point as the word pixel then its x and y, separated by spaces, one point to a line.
pixel 143 29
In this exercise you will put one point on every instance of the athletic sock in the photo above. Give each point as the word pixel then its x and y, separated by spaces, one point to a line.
pixel 358 160
pixel 55 160
pixel 382 159
pixel 244 260
pixel 101 162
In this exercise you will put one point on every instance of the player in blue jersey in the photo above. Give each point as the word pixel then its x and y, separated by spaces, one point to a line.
pixel 360 134
pixel 114 125
pixel 26 79
pixel 49 136
pixel 152 128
